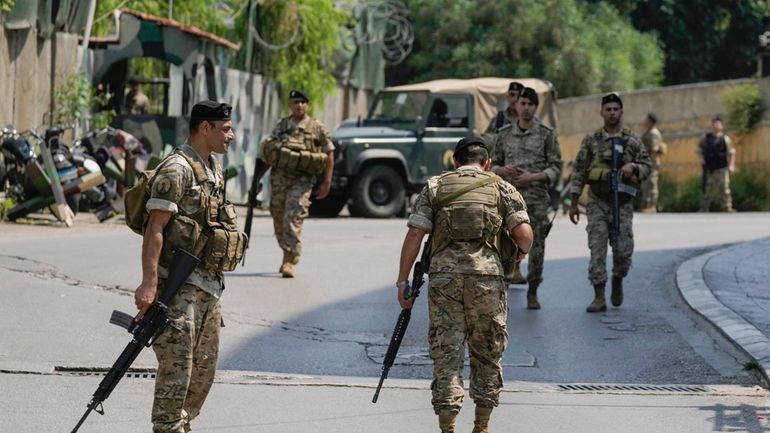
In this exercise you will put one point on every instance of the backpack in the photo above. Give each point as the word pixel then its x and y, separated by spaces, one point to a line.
pixel 135 200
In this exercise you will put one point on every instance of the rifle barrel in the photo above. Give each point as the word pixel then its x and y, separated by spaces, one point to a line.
pixel 83 418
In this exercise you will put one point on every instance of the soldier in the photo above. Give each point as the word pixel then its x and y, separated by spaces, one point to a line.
pixel 136 102
pixel 187 194
pixel 717 156
pixel 656 148
pixel 299 150
pixel 507 116
pixel 527 154
pixel 465 210
pixel 592 166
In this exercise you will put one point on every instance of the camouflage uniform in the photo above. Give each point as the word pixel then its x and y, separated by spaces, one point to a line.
pixel 290 192
pixel 599 210
pixel 187 350
pixel 467 301
pixel 497 122
pixel 535 150
pixel 653 143
pixel 715 172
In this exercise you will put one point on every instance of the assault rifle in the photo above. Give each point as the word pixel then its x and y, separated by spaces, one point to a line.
pixel 145 330
pixel 616 184
pixel 413 291
pixel 260 168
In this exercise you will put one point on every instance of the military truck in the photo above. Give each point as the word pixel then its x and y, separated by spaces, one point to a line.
pixel 409 135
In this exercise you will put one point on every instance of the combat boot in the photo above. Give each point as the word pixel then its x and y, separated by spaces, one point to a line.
pixel 446 422
pixel 532 302
pixel 616 296
pixel 287 267
pixel 481 423
pixel 515 276
pixel 599 304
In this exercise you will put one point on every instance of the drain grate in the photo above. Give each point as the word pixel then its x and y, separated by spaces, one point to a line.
pixel 681 389
pixel 132 373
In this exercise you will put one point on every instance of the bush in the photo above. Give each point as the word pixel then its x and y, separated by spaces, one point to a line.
pixel 744 107
pixel 750 193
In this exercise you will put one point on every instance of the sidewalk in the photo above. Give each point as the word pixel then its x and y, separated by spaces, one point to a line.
pixel 729 287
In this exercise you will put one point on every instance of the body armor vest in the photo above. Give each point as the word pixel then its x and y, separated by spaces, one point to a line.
pixel 211 232
pixel 601 167
pixel 296 151
pixel 715 152
pixel 468 209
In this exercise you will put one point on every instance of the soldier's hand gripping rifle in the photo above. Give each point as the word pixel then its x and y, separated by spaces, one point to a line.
pixel 413 291
pixel 614 179
pixel 145 330
pixel 260 168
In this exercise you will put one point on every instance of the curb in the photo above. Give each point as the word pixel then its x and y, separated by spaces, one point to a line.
pixel 692 286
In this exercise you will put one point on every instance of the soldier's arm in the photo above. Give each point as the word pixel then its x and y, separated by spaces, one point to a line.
pixel 152 244
pixel 517 219
pixel 730 154
pixel 553 158
pixel 580 169
pixel 642 162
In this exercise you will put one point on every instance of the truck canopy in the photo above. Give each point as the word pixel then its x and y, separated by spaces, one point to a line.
pixel 489 95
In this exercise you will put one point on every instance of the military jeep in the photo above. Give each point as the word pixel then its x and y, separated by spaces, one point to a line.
pixel 409 135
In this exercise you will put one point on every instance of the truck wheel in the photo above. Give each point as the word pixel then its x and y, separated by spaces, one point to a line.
pixel 378 192
pixel 329 207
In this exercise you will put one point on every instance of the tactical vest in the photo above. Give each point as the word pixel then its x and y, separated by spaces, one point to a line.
pixel 210 233
pixel 468 209
pixel 715 152
pixel 296 151
pixel 601 167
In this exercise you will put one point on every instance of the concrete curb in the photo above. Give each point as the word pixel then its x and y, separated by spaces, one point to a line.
pixel 697 294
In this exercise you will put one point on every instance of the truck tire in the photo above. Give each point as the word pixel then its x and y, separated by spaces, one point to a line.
pixel 329 207
pixel 378 192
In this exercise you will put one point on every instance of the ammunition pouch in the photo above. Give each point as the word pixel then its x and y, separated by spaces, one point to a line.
pixel 180 232
pixel 599 181
pixel 301 161
pixel 223 250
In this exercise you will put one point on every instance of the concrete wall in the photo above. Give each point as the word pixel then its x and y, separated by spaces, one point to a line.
pixel 27 65
pixel 685 114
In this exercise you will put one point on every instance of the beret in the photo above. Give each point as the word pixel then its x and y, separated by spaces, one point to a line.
pixel 612 97
pixel 653 117
pixel 716 117
pixel 467 142
pixel 530 94
pixel 515 86
pixel 298 94
pixel 211 110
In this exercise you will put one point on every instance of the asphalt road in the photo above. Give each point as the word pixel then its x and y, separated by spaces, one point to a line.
pixel 335 318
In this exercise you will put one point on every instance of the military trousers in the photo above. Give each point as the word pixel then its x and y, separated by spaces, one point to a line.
pixel 538 220
pixel 187 354
pixel 466 310
pixel 599 215
pixel 718 180
pixel 289 204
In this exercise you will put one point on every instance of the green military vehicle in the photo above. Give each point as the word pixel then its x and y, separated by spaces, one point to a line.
pixel 409 135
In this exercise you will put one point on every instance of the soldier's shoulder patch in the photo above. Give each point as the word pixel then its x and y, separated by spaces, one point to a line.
pixel 163 185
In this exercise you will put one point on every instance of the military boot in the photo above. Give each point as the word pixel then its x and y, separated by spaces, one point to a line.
pixel 616 296
pixel 446 422
pixel 287 267
pixel 599 304
pixel 532 302
pixel 515 276
pixel 481 423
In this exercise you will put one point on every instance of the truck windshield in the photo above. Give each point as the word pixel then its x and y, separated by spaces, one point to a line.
pixel 398 107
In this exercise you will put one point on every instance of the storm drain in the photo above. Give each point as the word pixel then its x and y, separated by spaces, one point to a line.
pixel 675 389
pixel 132 373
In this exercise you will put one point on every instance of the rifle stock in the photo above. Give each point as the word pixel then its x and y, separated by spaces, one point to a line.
pixel 418 279
pixel 144 331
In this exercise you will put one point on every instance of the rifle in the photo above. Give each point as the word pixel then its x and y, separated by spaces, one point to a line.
pixel 145 330
pixel 617 150
pixel 418 279
pixel 260 168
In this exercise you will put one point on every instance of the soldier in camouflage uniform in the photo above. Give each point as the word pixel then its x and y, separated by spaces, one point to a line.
pixel 187 350
pixel 299 150
pixel 527 154
pixel 656 148
pixel 507 116
pixel 592 166
pixel 465 211
pixel 717 156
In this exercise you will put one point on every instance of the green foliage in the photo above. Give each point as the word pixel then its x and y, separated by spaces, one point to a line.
pixel 750 191
pixel 582 47
pixel 199 13
pixel 307 63
pixel 744 107
pixel 705 40
pixel 74 101
pixel 6 5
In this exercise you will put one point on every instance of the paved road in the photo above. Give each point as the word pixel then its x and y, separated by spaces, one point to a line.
pixel 60 285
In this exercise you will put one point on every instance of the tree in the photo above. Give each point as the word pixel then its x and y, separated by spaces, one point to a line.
pixel 582 47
